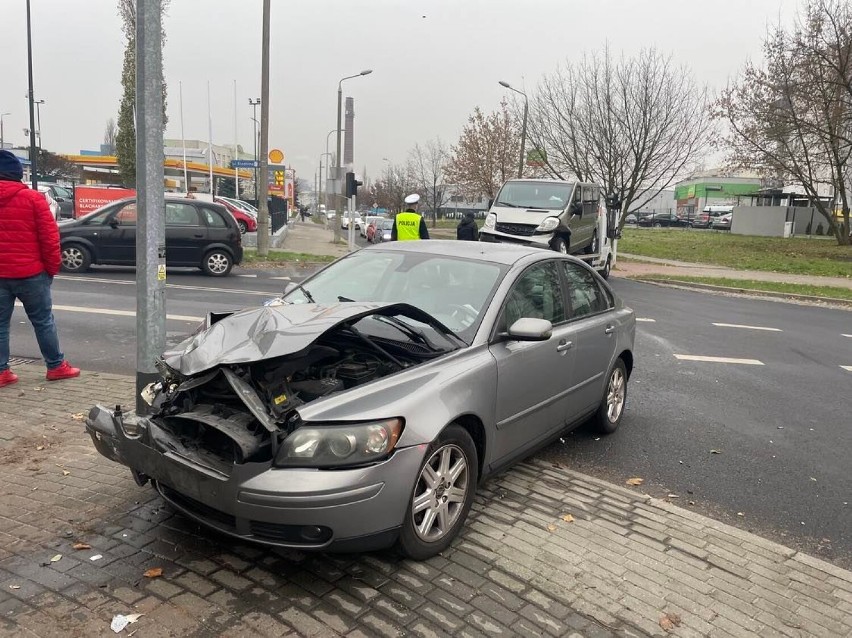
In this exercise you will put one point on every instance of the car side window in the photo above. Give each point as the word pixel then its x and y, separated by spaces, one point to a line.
pixel 589 195
pixel 213 218
pixel 585 296
pixel 537 293
pixel 127 215
pixel 181 215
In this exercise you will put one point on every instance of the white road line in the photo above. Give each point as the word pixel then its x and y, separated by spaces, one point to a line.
pixel 288 279
pixel 645 320
pixel 847 368
pixel 737 325
pixel 850 336
pixel 251 276
pixel 125 282
pixel 692 357
pixel 115 313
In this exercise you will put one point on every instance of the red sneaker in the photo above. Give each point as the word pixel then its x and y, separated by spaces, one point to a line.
pixel 62 371
pixel 7 377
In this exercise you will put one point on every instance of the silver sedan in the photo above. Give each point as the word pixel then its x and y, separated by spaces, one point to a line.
pixel 362 408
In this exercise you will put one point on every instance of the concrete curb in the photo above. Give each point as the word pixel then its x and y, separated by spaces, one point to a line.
pixel 746 292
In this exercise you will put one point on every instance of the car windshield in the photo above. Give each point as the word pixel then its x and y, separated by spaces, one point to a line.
pixel 454 291
pixel 540 195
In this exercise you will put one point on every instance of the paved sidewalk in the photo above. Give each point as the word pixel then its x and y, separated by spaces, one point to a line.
pixel 626 565
pixel 313 239
pixel 630 265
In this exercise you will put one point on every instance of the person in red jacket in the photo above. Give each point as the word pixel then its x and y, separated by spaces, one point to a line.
pixel 29 259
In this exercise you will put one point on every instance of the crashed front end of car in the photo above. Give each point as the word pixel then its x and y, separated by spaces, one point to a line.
pixel 225 441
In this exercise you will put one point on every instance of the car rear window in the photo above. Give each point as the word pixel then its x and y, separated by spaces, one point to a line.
pixel 213 218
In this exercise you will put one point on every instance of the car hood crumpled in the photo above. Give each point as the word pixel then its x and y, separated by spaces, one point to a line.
pixel 266 332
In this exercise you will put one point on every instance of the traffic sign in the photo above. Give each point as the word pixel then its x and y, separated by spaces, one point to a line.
pixel 243 164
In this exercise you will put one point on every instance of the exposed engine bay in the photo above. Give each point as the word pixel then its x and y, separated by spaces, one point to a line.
pixel 235 413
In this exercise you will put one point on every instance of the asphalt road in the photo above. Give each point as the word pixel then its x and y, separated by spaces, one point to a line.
pixel 780 423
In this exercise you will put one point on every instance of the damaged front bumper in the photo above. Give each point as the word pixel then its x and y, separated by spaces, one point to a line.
pixel 355 509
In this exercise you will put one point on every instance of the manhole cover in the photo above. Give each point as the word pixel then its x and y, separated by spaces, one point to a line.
pixel 19 361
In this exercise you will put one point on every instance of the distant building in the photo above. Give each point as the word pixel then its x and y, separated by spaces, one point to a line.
pixel 714 188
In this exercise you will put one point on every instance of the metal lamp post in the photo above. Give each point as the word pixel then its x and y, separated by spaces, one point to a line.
pixel 33 157
pixel 38 104
pixel 523 128
pixel 324 183
pixel 254 104
pixel 338 173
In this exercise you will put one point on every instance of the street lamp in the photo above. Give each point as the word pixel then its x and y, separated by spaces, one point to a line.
pixel 254 104
pixel 523 128
pixel 338 175
pixel 33 155
pixel 323 183
pixel 2 115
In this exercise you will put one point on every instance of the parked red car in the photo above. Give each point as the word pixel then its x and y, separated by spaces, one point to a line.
pixel 246 222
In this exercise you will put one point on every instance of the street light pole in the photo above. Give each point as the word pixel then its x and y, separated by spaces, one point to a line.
pixel 324 187
pixel 254 103
pixel 263 204
pixel 338 175
pixel 33 158
pixel 38 104
pixel 523 127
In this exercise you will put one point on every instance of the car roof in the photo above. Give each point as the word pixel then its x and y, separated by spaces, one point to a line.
pixel 507 254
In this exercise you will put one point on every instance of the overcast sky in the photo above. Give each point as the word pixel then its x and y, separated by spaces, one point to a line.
pixel 433 61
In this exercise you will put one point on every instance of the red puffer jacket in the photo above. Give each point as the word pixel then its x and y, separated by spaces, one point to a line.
pixel 29 236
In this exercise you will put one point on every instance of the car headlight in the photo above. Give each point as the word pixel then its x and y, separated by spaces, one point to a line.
pixel 549 224
pixel 490 221
pixel 339 445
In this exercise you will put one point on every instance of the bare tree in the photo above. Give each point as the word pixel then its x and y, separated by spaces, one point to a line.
pixel 109 135
pixel 634 125
pixel 426 165
pixel 486 154
pixel 791 117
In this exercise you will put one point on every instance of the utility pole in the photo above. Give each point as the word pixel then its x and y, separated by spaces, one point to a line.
pixel 33 158
pixel 150 200
pixel 254 103
pixel 263 204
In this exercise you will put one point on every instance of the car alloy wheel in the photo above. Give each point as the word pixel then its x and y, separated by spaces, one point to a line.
pixel 217 263
pixel 615 394
pixel 440 493
pixel 75 258
pixel 243 227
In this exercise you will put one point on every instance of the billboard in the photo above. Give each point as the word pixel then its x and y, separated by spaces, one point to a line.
pixel 90 198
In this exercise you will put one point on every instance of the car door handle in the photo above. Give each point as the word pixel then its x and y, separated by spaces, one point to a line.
pixel 564 345
pixel 198 235
pixel 609 330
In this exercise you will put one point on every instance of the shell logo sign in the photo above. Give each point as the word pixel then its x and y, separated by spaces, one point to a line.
pixel 276 156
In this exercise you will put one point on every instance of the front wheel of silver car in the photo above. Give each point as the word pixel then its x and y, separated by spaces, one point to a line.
pixel 442 496
pixel 611 410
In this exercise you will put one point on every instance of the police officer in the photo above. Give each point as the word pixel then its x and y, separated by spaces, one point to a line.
pixel 409 224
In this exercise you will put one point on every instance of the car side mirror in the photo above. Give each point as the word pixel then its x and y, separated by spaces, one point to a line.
pixel 113 223
pixel 576 208
pixel 530 329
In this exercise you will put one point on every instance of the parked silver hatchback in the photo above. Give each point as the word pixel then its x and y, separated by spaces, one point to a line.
pixel 361 409
pixel 562 216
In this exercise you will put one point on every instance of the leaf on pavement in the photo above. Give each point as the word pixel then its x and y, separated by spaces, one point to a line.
pixel 14 586
pixel 635 481
pixel 56 558
pixel 81 546
pixel 154 572
pixel 39 447
pixel 78 417
pixel 567 518
pixel 551 528
pixel 715 451
pixel 65 472
pixel 669 621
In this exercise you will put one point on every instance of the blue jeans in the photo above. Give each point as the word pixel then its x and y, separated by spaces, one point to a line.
pixel 34 294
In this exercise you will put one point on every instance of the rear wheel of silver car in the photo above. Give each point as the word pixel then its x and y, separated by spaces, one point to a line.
pixel 443 495
pixel 75 258
pixel 217 263
pixel 611 410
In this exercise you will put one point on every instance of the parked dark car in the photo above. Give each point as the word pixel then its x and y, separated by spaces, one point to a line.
pixel 198 234
pixel 707 217
pixel 662 220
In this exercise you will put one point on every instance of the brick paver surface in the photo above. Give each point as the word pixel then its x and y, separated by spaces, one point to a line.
pixel 615 567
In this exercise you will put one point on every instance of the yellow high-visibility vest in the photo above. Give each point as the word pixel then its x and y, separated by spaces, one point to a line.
pixel 407 226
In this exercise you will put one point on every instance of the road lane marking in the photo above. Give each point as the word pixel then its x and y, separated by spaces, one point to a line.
pixel 737 325
pixel 252 276
pixel 850 336
pixel 288 279
pixel 115 313
pixel 847 368
pixel 125 282
pixel 645 320
pixel 693 357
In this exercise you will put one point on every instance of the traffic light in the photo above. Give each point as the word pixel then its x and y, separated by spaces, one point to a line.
pixel 352 184
pixel 613 201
